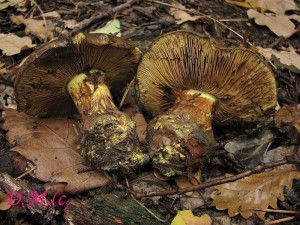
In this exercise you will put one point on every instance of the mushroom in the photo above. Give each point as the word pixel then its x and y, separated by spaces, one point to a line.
pixel 188 83
pixel 84 74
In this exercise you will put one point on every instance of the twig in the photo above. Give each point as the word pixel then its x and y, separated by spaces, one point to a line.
pixel 126 92
pixel 278 211
pixel 255 170
pixel 282 220
pixel 151 213
pixel 25 173
pixel 44 19
pixel 86 22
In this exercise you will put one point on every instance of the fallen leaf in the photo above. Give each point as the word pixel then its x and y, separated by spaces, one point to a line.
pixel 186 217
pixel 52 145
pixel 277 6
pixel 256 191
pixel 140 126
pixel 71 24
pixel 288 59
pixel 112 27
pixel 4 204
pixel 11 44
pixel 4 4
pixel 250 4
pixel 2 68
pixel 250 149
pixel 35 27
pixel 182 16
pixel 7 98
pixel 281 25
pixel 287 119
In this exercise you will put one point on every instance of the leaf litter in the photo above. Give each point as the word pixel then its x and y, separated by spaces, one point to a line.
pixel 52 145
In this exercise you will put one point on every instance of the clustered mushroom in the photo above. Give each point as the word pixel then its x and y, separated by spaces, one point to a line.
pixel 188 82
pixel 85 74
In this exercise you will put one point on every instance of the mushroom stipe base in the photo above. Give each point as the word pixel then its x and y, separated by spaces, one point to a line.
pixel 109 141
pixel 182 138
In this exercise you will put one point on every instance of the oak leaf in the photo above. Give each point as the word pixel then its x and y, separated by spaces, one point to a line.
pixel 2 68
pixel 256 191
pixel 277 6
pixel 180 15
pixel 281 25
pixel 186 217
pixel 287 58
pixel 35 27
pixel 11 44
pixel 52 145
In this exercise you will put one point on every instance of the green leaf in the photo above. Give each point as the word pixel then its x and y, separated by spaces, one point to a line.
pixel 112 27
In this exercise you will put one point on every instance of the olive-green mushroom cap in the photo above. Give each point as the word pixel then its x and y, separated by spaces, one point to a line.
pixel 40 85
pixel 242 82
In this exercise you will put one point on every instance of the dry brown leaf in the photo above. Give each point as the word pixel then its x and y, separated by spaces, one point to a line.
pixel 281 25
pixel 35 27
pixel 11 44
pixel 287 115
pixel 277 6
pixel 288 59
pixel 256 191
pixel 2 68
pixel 52 145
pixel 182 16
pixel 186 217
pixel 4 204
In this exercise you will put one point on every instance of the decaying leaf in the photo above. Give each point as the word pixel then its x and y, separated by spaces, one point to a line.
pixel 288 59
pixel 256 191
pixel 249 149
pixel 277 6
pixel 281 25
pixel 2 68
pixel 35 27
pixel 287 115
pixel 52 145
pixel 112 27
pixel 7 98
pixel 186 217
pixel 11 44
pixel 287 119
pixel 4 204
pixel 5 3
pixel 182 16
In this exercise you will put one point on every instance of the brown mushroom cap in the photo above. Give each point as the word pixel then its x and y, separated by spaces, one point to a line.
pixel 40 85
pixel 240 79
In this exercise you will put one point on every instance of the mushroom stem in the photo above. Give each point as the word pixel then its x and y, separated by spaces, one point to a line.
pixel 198 105
pixel 90 96
pixel 109 140
pixel 180 139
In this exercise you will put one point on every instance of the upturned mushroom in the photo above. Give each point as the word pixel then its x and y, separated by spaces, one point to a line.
pixel 189 83
pixel 84 74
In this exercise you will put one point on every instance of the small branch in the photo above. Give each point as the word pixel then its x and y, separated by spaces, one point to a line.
pixel 247 173
pixel 278 211
pixel 282 220
pixel 86 22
